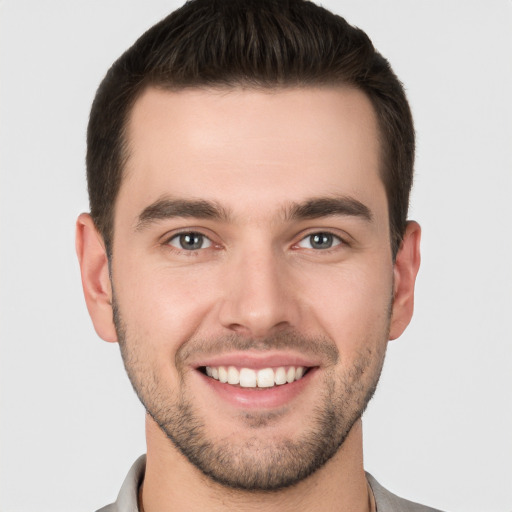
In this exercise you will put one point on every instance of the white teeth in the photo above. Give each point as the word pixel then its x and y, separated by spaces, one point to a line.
pixel 265 378
pixel 223 374
pixel 249 378
pixel 280 376
pixel 233 375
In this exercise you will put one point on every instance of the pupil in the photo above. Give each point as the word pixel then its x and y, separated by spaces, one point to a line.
pixel 321 241
pixel 191 241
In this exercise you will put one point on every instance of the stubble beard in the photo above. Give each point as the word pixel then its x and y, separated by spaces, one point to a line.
pixel 260 462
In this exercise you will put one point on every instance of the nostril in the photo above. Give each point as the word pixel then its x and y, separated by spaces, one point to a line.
pixel 259 329
pixel 238 328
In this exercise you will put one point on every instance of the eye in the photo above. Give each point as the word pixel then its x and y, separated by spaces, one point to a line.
pixel 321 240
pixel 190 241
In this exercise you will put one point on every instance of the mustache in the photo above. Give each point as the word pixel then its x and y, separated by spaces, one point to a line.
pixel 317 346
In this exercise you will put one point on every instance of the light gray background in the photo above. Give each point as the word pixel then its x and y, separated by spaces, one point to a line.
pixel 439 430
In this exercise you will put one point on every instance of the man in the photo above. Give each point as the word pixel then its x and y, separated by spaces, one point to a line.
pixel 249 167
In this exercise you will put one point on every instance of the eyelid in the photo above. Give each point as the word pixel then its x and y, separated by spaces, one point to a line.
pixel 171 233
pixel 177 236
pixel 336 241
pixel 206 233
pixel 344 238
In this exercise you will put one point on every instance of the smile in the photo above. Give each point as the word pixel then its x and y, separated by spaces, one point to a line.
pixel 252 378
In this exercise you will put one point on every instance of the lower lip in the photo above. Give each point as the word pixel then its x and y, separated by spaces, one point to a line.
pixel 259 398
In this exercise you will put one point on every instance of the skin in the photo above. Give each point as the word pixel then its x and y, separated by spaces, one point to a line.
pixel 256 282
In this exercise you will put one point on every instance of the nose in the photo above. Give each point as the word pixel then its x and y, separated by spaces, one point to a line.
pixel 259 297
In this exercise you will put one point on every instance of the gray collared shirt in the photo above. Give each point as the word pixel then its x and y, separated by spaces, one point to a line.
pixel 127 499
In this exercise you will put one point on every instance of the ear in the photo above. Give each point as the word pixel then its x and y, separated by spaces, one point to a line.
pixel 406 268
pixel 93 260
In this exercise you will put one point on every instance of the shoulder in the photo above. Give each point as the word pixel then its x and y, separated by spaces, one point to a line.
pixel 388 502
pixel 127 497
pixel 109 508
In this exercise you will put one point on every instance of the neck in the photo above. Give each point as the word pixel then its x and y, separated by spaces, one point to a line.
pixel 172 483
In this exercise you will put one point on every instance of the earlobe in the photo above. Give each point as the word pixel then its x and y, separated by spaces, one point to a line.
pixel 94 270
pixel 406 268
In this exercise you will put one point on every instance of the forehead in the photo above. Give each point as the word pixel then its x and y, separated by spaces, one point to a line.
pixel 252 147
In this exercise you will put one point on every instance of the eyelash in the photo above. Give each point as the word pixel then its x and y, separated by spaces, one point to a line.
pixel 189 233
pixel 335 240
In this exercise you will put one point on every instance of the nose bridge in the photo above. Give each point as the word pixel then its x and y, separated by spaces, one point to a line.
pixel 257 298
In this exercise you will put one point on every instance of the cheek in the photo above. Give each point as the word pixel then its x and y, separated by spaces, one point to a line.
pixel 353 306
pixel 164 307
pixel 160 306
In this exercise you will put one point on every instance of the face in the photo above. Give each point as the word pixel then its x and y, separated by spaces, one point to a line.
pixel 252 274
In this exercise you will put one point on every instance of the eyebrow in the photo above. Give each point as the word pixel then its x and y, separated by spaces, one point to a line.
pixel 168 208
pixel 313 208
pixel 326 206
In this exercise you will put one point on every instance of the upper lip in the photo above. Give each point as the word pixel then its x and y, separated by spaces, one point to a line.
pixel 256 360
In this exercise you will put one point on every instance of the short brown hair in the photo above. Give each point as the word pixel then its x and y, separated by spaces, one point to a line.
pixel 253 43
